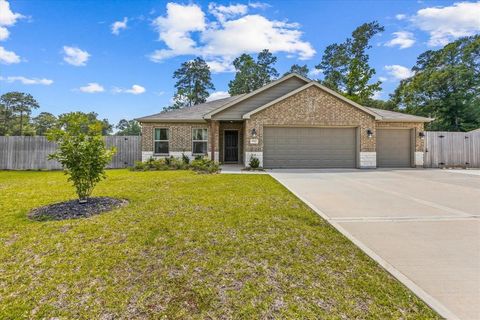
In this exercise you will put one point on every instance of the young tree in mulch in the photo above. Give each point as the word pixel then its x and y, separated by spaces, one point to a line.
pixel 81 151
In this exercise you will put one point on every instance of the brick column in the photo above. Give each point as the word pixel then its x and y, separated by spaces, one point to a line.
pixel 213 126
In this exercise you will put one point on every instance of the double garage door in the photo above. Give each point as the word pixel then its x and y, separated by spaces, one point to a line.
pixel 309 147
pixel 294 147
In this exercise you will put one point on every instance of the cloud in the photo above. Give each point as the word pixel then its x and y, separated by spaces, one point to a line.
pixel 400 16
pixel 92 87
pixel 259 5
pixel 75 56
pixel 119 25
pixel 8 57
pixel 218 95
pixel 223 13
pixel 7 19
pixel 315 72
pixel 28 81
pixel 135 89
pixel 383 79
pixel 399 72
pixel 445 24
pixel 402 39
pixel 231 34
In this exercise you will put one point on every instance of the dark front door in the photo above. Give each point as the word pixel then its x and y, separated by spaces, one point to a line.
pixel 231 146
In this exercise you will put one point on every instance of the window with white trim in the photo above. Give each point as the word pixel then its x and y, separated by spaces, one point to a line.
pixel 161 141
pixel 199 141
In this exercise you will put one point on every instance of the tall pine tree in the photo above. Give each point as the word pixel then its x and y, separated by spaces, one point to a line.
pixel 193 83
pixel 346 65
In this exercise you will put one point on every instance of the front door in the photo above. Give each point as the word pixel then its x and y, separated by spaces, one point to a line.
pixel 231 146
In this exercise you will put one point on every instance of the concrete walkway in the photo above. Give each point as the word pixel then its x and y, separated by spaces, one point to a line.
pixel 423 226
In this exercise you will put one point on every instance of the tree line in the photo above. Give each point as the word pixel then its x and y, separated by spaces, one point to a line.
pixel 16 118
pixel 445 84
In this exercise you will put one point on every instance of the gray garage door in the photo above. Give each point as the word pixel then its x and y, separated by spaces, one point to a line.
pixel 393 148
pixel 309 147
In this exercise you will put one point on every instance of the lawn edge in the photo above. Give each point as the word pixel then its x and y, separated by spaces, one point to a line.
pixel 433 303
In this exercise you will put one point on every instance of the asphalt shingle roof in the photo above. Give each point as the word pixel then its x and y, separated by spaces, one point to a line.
pixel 392 115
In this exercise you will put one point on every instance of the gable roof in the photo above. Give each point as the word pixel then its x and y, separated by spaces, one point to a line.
pixel 202 112
pixel 193 114
pixel 254 92
pixel 318 85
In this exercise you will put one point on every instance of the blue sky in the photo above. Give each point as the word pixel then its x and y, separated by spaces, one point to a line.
pixel 117 57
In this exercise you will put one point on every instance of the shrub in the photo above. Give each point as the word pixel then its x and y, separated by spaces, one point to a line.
pixel 81 152
pixel 254 162
pixel 185 158
pixel 205 166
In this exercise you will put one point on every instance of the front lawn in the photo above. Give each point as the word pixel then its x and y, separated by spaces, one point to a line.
pixel 187 246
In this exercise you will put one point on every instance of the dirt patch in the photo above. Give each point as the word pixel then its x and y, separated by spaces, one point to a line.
pixel 73 209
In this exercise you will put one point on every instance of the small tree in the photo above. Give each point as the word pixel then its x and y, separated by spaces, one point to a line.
pixel 81 151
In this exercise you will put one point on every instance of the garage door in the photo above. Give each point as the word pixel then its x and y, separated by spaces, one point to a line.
pixel 393 148
pixel 309 147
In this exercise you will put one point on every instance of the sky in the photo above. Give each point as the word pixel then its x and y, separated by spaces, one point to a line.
pixel 117 58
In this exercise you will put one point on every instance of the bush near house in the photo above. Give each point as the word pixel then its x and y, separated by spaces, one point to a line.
pixel 199 165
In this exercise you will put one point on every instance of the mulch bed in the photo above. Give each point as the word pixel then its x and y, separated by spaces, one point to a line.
pixel 73 209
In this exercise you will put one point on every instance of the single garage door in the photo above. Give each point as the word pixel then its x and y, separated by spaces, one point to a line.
pixel 309 147
pixel 394 148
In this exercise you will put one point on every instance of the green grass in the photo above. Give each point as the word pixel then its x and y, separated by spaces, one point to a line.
pixel 187 246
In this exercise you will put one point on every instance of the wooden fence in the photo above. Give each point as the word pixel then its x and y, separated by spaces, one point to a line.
pixel 31 153
pixel 452 149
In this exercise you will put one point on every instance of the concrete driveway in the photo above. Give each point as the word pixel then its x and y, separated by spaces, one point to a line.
pixel 422 225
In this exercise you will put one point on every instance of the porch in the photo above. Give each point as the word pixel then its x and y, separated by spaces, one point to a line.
pixel 228 142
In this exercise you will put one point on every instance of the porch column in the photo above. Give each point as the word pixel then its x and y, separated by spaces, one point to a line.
pixel 214 126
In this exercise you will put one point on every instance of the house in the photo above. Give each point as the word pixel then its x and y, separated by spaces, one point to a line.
pixel 292 122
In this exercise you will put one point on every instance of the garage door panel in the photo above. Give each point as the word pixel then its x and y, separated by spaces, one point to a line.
pixel 394 148
pixel 309 147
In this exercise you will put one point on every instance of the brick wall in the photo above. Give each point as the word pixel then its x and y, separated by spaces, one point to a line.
pixel 180 135
pixel 318 109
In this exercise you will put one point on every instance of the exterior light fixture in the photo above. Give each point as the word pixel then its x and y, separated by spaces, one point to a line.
pixel 254 133
pixel 369 133
pixel 421 135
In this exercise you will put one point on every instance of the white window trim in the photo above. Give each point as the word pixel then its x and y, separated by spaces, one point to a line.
pixel 168 141
pixel 193 141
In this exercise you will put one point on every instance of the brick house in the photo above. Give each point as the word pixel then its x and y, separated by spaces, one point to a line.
pixel 292 122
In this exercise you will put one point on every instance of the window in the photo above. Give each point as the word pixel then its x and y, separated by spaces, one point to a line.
pixel 200 138
pixel 161 140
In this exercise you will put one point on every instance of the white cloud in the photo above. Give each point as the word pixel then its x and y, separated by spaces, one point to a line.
pixel 223 13
pixel 383 79
pixel 445 24
pixel 232 34
pixel 377 95
pixel 27 81
pixel 315 72
pixel 402 39
pixel 218 95
pixel 135 89
pixel 399 72
pixel 119 25
pixel 75 56
pixel 7 19
pixel 259 5
pixel 8 57
pixel 401 16
pixel 92 87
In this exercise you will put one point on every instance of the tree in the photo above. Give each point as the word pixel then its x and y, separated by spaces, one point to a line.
pixel 81 151
pixel 89 118
pixel 250 74
pixel 346 66
pixel 17 104
pixel 298 69
pixel 44 122
pixel 445 86
pixel 128 128
pixel 193 82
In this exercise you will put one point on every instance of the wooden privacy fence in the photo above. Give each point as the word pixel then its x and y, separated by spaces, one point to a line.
pixel 31 153
pixel 452 149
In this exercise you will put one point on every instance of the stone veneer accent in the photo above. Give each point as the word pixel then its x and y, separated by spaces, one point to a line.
pixel 368 160
pixel 419 156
